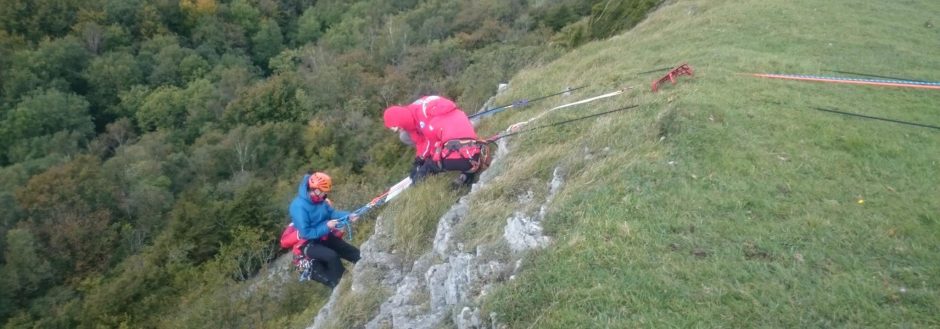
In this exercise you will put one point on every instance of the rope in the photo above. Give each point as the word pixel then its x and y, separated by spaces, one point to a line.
pixel 391 193
pixel 876 118
pixel 875 76
pixel 523 102
pixel 857 81
pixel 656 70
pixel 508 132
pixel 583 101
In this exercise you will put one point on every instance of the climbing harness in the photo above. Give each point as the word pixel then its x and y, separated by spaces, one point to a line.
pixel 477 151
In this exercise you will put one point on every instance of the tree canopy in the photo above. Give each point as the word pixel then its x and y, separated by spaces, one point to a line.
pixel 146 143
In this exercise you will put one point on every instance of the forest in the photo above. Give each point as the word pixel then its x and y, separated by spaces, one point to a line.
pixel 149 148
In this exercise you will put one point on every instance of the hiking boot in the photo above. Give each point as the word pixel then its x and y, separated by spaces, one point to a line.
pixel 319 277
pixel 311 273
pixel 467 179
pixel 459 181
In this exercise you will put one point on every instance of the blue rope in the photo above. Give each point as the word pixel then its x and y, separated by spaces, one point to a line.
pixel 343 222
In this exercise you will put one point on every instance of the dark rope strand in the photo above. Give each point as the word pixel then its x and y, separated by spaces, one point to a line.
pixel 656 70
pixel 877 76
pixel 500 108
pixel 501 136
pixel 876 118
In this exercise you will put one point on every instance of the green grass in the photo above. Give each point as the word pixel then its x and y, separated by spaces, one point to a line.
pixel 414 217
pixel 725 201
pixel 353 310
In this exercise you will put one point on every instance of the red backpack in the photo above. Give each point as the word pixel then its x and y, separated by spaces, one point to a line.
pixel 290 239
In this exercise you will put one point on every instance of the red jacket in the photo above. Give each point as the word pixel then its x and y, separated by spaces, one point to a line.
pixel 430 122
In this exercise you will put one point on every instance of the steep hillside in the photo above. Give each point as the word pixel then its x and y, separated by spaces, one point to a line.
pixel 726 200
pixel 722 201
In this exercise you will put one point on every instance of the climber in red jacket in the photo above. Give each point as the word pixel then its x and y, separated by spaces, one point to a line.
pixel 443 137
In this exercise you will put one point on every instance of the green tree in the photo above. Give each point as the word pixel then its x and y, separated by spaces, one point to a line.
pixel 164 107
pixel 25 272
pixel 196 10
pixel 36 19
pixel 8 45
pixel 265 148
pixel 193 67
pixel 131 101
pixel 90 29
pixel 150 49
pixel 92 35
pixel 11 177
pixel 18 81
pixel 62 143
pixel 355 132
pixel 166 69
pixel 275 99
pixel 267 42
pixel 116 134
pixel 196 227
pixel 109 75
pixel 345 35
pixel 54 64
pixel 232 79
pixel 250 249
pixel 48 112
pixel 217 37
pixel 144 189
pixel 309 28
pixel 243 13
pixel 395 44
pixel 122 12
pixel 268 149
pixel 45 114
pixel 149 21
pixel 331 12
pixel 117 38
pixel 139 293
pixel 61 58
pixel 203 107
pixel 70 207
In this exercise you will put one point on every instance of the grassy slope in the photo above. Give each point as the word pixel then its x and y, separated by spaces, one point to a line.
pixel 726 202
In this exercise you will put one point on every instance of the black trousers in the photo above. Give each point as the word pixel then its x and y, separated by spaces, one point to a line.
pixel 326 255
pixel 430 167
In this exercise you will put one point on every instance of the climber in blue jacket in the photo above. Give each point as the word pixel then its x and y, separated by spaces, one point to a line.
pixel 315 219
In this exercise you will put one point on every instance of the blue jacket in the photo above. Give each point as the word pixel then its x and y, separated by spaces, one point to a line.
pixel 310 218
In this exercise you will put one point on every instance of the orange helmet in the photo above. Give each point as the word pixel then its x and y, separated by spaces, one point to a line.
pixel 320 181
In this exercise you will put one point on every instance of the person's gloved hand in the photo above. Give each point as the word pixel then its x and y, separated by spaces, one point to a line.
pixel 419 170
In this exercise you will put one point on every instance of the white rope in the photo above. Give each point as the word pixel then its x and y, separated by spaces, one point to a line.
pixel 519 125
